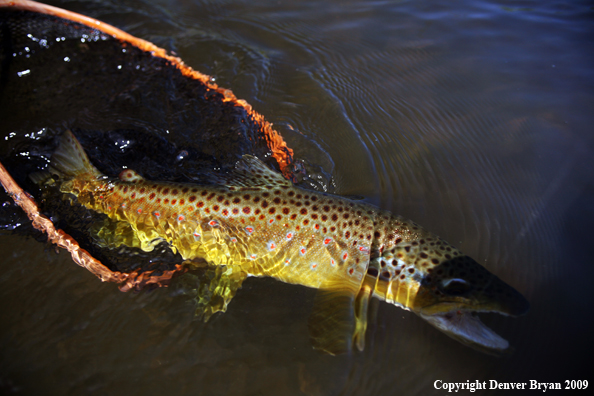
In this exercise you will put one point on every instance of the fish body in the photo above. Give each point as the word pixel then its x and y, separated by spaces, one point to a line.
pixel 254 222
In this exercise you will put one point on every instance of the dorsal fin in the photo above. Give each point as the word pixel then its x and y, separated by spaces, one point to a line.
pixel 251 172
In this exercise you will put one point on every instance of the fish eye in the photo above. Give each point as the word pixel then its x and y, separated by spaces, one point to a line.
pixel 455 286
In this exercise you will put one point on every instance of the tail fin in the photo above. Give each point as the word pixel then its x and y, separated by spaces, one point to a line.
pixel 70 158
pixel 68 161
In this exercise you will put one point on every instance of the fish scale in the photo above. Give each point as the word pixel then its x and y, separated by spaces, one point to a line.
pixel 253 222
pixel 267 231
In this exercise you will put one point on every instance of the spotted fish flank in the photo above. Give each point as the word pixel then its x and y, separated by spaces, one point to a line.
pixel 253 222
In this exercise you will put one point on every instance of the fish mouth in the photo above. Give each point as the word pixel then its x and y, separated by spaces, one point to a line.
pixel 465 326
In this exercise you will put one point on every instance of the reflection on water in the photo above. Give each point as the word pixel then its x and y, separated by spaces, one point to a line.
pixel 471 119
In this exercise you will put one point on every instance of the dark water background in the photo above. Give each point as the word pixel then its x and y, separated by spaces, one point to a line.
pixel 472 118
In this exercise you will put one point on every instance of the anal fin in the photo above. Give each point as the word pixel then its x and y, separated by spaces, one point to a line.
pixel 112 234
pixel 217 287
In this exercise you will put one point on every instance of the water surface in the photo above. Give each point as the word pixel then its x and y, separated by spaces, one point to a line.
pixel 471 118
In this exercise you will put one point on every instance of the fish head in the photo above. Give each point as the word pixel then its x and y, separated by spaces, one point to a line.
pixel 451 295
pixel 421 272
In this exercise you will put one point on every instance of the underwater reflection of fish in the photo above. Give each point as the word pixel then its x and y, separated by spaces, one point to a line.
pixel 253 222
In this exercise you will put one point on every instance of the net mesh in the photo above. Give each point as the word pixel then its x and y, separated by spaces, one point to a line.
pixel 126 106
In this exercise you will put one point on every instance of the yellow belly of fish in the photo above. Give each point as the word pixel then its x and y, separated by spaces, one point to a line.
pixel 260 233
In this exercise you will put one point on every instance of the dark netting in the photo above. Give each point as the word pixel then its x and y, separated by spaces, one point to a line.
pixel 126 106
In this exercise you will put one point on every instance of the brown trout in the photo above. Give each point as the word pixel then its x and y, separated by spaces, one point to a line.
pixel 254 222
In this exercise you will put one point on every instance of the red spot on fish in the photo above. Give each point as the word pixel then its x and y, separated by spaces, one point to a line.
pixel 180 218
pixel 317 226
pixel 327 241
pixel 270 221
pixel 314 266
pixel 289 235
pixel 363 249
pixel 302 251
pixel 351 271
pixel 345 255
pixel 157 214
pixel 249 230
pixel 139 211
pixel 213 223
pixel 271 245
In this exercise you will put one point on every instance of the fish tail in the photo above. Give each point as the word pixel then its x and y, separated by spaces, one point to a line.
pixel 70 158
pixel 69 161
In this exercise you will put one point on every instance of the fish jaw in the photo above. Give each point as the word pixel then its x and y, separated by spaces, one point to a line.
pixel 453 310
pixel 464 326
pixel 459 321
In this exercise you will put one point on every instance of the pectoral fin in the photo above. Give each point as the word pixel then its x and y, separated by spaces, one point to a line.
pixel 339 318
